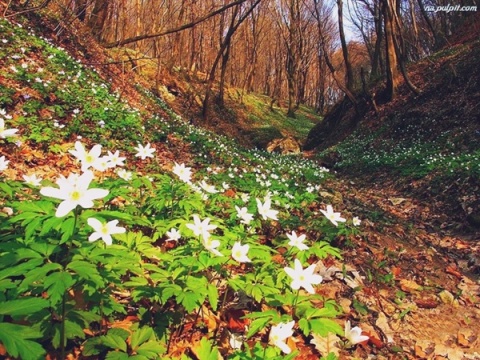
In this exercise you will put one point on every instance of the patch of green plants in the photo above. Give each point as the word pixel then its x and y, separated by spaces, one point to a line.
pixel 121 264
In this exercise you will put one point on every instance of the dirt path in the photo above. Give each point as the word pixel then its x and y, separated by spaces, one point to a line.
pixel 421 293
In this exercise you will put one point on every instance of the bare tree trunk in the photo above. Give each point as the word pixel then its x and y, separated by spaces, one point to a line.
pixel 393 78
pixel 349 81
pixel 97 19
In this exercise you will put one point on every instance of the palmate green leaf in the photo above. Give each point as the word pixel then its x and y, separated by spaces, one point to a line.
pixel 151 350
pixel 20 269
pixel 190 300
pixel 33 226
pixel 15 338
pixel 140 336
pixel 206 351
pixel 87 271
pixel 57 284
pixel 114 342
pixel 23 306
pixel 73 330
pixel 323 326
pixel 37 274
pixel 42 207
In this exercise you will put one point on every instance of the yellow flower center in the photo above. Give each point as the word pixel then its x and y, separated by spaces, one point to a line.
pixel 89 158
pixel 104 229
pixel 75 195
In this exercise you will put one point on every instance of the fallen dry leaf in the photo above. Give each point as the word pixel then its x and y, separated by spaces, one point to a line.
pixel 409 285
pixel 327 344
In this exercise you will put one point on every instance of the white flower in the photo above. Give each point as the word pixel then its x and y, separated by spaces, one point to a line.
pixel 184 173
pixel 104 231
pixel 245 197
pixel 225 186
pixel 4 133
pixel 90 158
pixel 124 174
pixel 207 188
pixel 3 163
pixel 265 209
pixel 32 180
pixel 173 235
pixel 297 241
pixel 334 217
pixel 144 151
pixel 354 336
pixel 114 159
pixel 356 221
pixel 303 277
pixel 201 228
pixel 239 252
pixel 211 245
pixel 244 215
pixel 279 333
pixel 74 191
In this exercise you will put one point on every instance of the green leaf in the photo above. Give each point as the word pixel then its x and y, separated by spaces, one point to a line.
pixel 257 325
pixel 15 339
pixel 6 189
pixel 140 336
pixel 114 342
pixel 73 330
pixel 57 284
pixel 206 351
pixel 115 355
pixel 20 269
pixel 151 349
pixel 212 293
pixel 323 326
pixel 190 300
pixel 23 306
pixel 38 274
pixel 68 228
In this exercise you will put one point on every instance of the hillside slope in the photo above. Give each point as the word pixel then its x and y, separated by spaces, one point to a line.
pixel 426 145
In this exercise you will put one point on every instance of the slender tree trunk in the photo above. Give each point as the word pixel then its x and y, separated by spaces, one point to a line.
pixel 393 75
pixel 349 81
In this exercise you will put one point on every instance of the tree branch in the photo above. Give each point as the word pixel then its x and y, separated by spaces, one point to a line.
pixel 174 30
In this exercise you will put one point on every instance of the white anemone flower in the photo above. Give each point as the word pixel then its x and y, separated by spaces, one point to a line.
pixel 244 215
pixel 239 252
pixel 297 241
pixel 201 228
pixel 356 221
pixel 354 336
pixel 184 173
pixel 104 231
pixel 334 217
pixel 4 133
pixel 114 159
pixel 211 245
pixel 88 158
pixel 265 209
pixel 3 163
pixel 144 151
pixel 279 334
pixel 74 192
pixel 173 235
pixel 32 180
pixel 304 278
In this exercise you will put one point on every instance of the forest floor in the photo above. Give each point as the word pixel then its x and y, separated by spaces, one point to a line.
pixel 421 291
